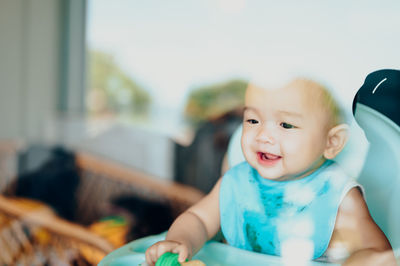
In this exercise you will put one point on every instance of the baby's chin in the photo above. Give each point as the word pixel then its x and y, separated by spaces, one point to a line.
pixel 272 175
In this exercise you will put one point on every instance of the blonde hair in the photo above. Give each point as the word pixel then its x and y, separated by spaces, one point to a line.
pixel 324 97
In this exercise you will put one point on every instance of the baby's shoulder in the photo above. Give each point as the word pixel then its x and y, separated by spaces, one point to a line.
pixel 341 183
pixel 335 173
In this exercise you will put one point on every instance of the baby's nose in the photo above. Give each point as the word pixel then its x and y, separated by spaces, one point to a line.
pixel 265 135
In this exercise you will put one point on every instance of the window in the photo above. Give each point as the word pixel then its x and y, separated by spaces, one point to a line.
pixel 147 58
pixel 156 52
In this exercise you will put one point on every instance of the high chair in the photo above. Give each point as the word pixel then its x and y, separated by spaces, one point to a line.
pixel 376 109
pixel 375 163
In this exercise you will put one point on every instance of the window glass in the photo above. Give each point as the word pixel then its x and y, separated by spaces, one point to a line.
pixel 146 57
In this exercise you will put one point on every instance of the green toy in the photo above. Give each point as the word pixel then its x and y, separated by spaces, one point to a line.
pixel 168 259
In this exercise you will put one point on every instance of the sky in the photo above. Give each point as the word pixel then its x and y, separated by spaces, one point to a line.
pixel 171 47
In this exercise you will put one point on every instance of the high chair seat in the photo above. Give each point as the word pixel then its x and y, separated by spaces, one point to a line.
pixel 377 111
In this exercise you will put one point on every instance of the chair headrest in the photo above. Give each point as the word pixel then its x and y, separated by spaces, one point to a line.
pixel 381 92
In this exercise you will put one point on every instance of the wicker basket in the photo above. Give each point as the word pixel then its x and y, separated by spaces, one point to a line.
pixel 32 234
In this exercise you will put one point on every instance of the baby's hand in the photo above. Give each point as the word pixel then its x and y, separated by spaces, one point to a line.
pixel 159 248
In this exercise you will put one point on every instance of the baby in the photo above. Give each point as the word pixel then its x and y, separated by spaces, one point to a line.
pixel 289 195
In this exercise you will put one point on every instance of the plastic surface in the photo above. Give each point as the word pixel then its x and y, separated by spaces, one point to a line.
pixel 213 253
pixel 380 175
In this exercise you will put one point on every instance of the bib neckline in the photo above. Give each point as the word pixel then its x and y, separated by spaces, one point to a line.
pixel 301 181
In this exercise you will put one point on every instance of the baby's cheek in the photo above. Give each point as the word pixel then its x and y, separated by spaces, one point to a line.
pixel 246 146
pixel 248 139
pixel 292 147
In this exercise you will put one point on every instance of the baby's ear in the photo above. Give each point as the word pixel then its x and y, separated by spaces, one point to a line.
pixel 337 137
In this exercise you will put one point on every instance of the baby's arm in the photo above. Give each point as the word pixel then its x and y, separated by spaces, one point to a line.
pixel 190 230
pixel 356 230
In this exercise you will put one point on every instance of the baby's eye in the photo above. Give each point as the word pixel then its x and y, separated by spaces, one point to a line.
pixel 286 125
pixel 252 121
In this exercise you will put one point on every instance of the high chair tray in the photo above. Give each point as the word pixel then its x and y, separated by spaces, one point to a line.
pixel 212 254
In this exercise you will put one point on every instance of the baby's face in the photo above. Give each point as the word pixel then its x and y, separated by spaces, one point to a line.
pixel 284 131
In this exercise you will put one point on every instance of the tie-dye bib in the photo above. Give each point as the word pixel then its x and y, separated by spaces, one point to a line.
pixel 279 217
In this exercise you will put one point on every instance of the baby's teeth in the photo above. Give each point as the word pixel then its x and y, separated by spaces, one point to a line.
pixel 270 156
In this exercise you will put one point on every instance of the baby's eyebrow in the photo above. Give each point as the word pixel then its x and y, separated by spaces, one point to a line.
pixel 288 113
pixel 249 108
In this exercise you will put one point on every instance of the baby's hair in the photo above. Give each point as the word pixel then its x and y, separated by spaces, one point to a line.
pixel 322 93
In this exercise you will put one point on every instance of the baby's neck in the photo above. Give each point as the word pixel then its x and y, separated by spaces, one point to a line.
pixel 313 167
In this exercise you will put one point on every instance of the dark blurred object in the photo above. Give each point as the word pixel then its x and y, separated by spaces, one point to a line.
pixel 148 217
pixel 199 164
pixel 51 176
pixel 381 92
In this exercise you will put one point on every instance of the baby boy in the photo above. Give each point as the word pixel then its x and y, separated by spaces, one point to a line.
pixel 289 195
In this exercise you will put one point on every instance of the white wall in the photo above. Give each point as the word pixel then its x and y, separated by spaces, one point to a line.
pixel 29 66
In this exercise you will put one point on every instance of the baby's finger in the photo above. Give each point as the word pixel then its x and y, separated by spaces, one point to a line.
pixel 183 253
pixel 165 247
pixel 150 255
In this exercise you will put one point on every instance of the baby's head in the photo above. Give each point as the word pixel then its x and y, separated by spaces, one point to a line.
pixel 288 132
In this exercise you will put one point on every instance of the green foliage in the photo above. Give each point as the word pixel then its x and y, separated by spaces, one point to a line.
pixel 118 92
pixel 212 101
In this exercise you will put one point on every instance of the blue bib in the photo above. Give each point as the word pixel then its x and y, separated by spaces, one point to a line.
pixel 266 216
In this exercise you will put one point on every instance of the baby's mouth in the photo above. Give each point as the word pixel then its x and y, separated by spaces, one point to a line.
pixel 264 156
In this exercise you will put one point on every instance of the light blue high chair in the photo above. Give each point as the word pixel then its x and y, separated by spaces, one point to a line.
pixel 376 108
pixel 375 162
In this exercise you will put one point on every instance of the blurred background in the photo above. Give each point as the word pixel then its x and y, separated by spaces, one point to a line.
pixel 109 109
